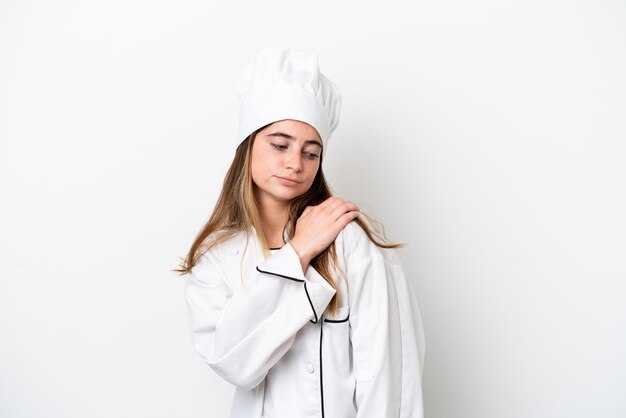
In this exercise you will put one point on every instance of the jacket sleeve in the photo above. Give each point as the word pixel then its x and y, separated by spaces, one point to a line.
pixel 241 332
pixel 386 334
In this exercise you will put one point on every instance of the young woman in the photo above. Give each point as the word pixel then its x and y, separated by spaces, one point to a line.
pixel 292 296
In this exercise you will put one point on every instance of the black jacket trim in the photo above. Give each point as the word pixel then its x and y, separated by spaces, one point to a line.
pixel 337 320
pixel 321 370
pixel 296 280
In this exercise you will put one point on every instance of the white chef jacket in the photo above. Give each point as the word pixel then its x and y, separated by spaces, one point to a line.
pixel 262 326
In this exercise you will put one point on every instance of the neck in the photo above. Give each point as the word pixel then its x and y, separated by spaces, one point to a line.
pixel 273 217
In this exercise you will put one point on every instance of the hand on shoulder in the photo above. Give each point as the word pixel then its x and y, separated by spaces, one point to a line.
pixel 319 225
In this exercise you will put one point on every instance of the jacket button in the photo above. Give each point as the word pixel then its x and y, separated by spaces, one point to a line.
pixel 310 368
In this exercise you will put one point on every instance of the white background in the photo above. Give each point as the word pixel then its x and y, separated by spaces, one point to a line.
pixel 488 135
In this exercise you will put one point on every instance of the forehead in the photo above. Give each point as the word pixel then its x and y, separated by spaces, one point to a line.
pixel 293 130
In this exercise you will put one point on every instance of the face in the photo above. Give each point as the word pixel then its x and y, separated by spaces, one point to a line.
pixel 285 160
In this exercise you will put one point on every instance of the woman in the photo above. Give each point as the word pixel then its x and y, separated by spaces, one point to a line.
pixel 292 296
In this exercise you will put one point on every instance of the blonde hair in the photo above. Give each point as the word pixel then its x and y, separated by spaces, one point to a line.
pixel 237 210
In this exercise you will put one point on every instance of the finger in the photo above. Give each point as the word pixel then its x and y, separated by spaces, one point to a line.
pixel 331 200
pixel 346 218
pixel 331 207
pixel 342 209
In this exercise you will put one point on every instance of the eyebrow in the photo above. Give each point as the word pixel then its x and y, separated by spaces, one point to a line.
pixel 287 136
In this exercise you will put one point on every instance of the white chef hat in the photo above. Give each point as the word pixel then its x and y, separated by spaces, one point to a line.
pixel 285 83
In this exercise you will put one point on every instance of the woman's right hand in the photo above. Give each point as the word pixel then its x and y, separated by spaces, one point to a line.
pixel 318 226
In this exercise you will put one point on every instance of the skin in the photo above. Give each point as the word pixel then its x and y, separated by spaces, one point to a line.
pixel 291 149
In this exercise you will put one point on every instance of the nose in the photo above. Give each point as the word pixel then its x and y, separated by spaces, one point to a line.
pixel 294 160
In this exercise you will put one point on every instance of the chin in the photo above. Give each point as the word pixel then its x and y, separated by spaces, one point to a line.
pixel 289 196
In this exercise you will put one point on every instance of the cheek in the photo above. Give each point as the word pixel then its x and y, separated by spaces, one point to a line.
pixel 261 165
pixel 315 165
pixel 314 168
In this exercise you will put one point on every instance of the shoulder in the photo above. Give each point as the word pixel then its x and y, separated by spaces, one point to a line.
pixel 356 243
pixel 212 267
pixel 230 244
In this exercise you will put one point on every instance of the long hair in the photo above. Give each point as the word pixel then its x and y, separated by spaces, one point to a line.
pixel 237 210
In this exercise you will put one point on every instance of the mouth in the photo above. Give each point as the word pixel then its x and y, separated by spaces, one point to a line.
pixel 289 179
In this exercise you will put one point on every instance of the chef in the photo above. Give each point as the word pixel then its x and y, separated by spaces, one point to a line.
pixel 292 295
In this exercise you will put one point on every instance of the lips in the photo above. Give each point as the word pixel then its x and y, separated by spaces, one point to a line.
pixel 287 178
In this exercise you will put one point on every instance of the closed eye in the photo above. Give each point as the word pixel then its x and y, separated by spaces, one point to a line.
pixel 309 155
